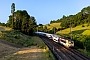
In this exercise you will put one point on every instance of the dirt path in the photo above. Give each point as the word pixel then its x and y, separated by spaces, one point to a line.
pixel 6 49
pixel 27 54
pixel 10 51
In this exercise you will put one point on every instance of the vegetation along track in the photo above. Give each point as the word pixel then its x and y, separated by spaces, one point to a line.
pixel 63 53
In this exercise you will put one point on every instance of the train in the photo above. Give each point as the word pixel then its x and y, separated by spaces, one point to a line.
pixel 58 39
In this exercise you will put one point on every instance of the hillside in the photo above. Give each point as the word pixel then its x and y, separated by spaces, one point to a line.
pixel 50 26
pixel 15 45
pixel 82 17
pixel 76 30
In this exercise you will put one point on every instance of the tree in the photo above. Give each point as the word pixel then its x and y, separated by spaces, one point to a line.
pixel 40 27
pixel 23 22
pixel 12 11
pixel 2 24
pixel 45 29
pixel 9 22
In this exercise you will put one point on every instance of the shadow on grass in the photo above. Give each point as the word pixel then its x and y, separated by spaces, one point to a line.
pixel 2 29
pixel 78 31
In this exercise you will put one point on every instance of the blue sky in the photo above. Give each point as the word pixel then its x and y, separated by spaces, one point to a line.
pixel 43 10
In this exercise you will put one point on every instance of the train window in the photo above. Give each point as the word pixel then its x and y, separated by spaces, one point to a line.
pixel 71 41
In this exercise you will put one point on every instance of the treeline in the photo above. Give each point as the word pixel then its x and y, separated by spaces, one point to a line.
pixel 55 21
pixel 74 20
pixel 2 24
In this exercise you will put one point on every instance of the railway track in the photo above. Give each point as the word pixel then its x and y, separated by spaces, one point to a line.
pixel 62 53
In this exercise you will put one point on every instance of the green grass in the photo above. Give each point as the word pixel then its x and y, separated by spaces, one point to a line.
pixel 47 54
pixel 76 30
pixel 57 25
pixel 85 52
pixel 17 37
pixel 38 42
pixel 86 32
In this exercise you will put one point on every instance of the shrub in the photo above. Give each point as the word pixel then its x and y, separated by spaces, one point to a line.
pixel 17 36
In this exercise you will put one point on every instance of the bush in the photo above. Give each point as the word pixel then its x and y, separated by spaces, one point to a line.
pixel 17 36
pixel 82 40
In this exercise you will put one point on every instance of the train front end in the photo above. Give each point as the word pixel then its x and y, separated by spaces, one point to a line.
pixel 70 44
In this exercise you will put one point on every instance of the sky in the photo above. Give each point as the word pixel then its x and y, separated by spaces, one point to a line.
pixel 43 10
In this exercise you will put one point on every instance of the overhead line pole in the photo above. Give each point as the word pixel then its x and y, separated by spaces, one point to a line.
pixel 37 29
pixel 70 30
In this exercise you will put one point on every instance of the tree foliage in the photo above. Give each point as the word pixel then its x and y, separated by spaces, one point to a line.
pixel 12 8
pixel 2 24
pixel 77 19
pixel 82 41
pixel 40 27
pixel 22 21
pixel 12 11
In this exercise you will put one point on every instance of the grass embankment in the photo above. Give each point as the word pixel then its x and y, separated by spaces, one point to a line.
pixel 21 39
pixel 28 52
pixel 6 50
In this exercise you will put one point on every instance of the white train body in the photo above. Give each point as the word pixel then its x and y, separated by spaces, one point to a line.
pixel 66 42
pixel 56 38
pixel 49 35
